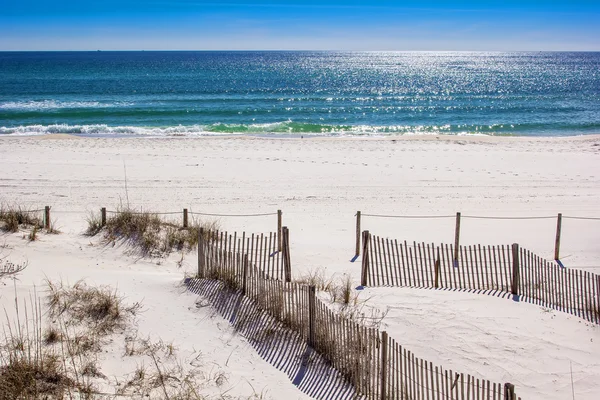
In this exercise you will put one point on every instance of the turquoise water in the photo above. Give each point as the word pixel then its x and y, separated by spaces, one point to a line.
pixel 303 93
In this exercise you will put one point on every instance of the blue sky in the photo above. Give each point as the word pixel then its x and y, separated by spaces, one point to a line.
pixel 312 25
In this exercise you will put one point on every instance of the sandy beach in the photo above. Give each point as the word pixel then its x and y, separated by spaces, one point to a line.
pixel 319 184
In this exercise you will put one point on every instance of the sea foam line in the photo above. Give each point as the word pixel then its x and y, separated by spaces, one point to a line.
pixel 57 104
pixel 282 128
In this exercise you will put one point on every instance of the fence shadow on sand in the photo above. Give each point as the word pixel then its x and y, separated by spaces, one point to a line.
pixel 283 348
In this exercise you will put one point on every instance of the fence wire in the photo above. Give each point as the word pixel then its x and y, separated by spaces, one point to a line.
pixel 476 217
pixel 232 215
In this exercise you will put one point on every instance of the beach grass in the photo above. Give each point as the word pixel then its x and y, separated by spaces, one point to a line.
pixel 13 217
pixel 148 232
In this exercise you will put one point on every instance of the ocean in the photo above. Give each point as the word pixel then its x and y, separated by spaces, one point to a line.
pixel 299 93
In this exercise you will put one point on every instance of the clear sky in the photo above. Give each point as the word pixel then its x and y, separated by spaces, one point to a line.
pixel 296 24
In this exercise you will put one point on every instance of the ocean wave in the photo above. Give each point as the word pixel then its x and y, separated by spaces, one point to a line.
pixel 101 129
pixel 284 127
pixel 290 127
pixel 31 105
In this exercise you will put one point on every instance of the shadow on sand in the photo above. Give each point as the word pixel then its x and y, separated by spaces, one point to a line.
pixel 281 347
pixel 583 314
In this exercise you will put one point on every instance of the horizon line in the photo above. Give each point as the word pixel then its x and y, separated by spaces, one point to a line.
pixel 297 50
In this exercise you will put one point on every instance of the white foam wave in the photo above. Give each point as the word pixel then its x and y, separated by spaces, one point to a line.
pixel 101 129
pixel 56 104
pixel 284 127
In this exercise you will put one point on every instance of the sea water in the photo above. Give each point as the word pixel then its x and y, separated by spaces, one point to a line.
pixel 299 93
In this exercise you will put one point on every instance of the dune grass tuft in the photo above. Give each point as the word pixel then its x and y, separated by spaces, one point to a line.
pixel 148 232
pixel 100 308
pixel 30 368
pixel 94 224
pixel 14 217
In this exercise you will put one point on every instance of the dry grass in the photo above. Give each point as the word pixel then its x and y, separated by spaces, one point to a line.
pixel 99 308
pixel 94 224
pixel 148 232
pixel 13 217
pixel 135 347
pixel 343 292
pixel 33 234
pixel 10 269
pixel 52 336
pixel 227 276
pixel 29 369
pixel 60 361
pixel 340 290
pixel 318 279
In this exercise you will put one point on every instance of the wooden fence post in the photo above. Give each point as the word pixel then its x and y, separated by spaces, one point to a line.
pixel 557 242
pixel 287 261
pixel 598 296
pixel 515 270
pixel 437 269
pixel 279 230
pixel 312 304
pixel 457 236
pixel 509 391
pixel 245 275
pixel 357 252
pixel 47 217
pixel 103 216
pixel 365 258
pixel 384 366
pixel 185 218
pixel 201 259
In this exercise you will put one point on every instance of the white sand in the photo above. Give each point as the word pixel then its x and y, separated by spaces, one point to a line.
pixel 319 184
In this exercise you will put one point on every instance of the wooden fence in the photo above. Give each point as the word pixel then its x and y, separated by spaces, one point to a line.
pixel 373 363
pixel 219 250
pixel 505 268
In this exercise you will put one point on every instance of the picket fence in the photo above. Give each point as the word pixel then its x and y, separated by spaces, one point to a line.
pixel 261 252
pixel 370 360
pixel 503 268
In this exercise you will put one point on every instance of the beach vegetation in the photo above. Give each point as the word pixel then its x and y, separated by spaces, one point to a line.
pixel 94 224
pixel 149 232
pixel 12 218
pixel 100 309
pixel 33 234
pixel 9 269
pixel 317 278
pixel 31 367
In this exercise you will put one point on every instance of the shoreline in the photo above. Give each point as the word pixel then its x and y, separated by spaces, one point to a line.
pixel 407 138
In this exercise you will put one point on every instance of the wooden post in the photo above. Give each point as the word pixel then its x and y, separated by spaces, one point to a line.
pixel 185 218
pixel 384 366
pixel 437 269
pixel 457 236
pixel 515 271
pixel 312 304
pixel 365 258
pixel 47 217
pixel 279 238
pixel 245 281
pixel 287 261
pixel 103 216
pixel 201 259
pixel 557 242
pixel 598 295
pixel 509 391
pixel 357 234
